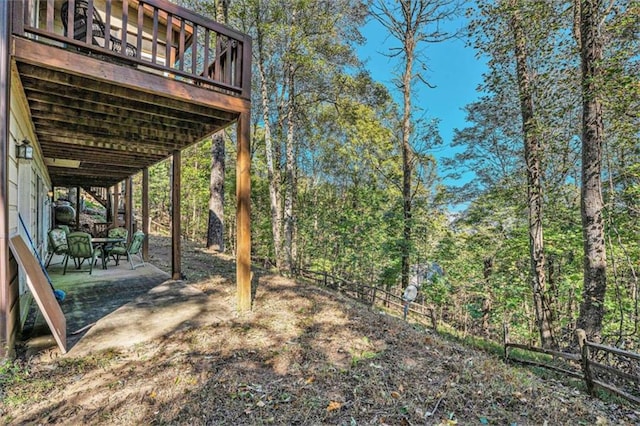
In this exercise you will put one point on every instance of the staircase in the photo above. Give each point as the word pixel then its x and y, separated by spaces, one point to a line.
pixel 99 194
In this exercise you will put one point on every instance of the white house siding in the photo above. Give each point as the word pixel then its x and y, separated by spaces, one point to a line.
pixel 28 185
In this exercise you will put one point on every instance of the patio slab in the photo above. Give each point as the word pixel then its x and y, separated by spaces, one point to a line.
pixel 90 298
pixel 119 308
pixel 170 307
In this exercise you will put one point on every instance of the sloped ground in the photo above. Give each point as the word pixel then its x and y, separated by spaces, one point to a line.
pixel 302 356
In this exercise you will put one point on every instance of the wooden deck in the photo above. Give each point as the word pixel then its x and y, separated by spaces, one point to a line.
pixel 100 115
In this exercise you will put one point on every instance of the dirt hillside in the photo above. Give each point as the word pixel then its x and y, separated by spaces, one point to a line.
pixel 303 356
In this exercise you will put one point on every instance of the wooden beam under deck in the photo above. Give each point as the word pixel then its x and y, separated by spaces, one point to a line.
pixel 88 90
pixel 111 117
pixel 120 76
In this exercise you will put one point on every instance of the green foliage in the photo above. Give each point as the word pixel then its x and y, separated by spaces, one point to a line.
pixel 12 373
pixel 348 167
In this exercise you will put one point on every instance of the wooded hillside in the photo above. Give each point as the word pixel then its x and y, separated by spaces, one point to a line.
pixel 303 355
pixel 345 180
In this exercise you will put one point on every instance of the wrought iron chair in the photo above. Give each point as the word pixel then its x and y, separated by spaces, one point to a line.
pixel 98 30
pixel 57 244
pixel 80 248
pixel 134 249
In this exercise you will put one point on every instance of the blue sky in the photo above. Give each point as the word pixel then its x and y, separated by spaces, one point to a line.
pixel 452 68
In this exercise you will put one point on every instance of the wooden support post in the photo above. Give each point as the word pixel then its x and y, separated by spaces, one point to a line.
pixel 581 336
pixel 128 207
pixel 78 208
pixel 52 208
pixel 116 205
pixel 6 339
pixel 109 206
pixel 145 213
pixel 243 213
pixel 176 273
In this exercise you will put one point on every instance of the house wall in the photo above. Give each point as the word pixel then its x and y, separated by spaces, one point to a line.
pixel 29 185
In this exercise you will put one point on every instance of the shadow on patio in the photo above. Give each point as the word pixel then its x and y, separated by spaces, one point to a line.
pixel 119 307
pixel 89 298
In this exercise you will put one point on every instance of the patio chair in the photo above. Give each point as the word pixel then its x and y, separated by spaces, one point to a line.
pixel 134 249
pixel 57 244
pixel 65 228
pixel 118 233
pixel 80 248
pixel 100 229
pixel 98 32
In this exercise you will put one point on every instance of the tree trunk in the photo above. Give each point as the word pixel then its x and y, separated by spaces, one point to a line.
pixel 407 160
pixel 411 22
pixel 272 154
pixel 194 210
pixel 487 302
pixel 215 226
pixel 532 153
pixel 291 189
pixel 595 258
pixel 273 173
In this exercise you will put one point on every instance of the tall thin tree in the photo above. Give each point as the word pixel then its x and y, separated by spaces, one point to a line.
pixel 532 154
pixel 589 28
pixel 215 227
pixel 411 22
pixel 272 151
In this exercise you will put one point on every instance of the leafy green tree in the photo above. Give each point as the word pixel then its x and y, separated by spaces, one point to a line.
pixel 300 47
pixel 346 223
pixel 532 155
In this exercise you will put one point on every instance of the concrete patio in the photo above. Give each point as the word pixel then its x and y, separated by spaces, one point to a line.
pixel 116 307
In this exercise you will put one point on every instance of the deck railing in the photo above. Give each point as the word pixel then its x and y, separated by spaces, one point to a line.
pixel 151 34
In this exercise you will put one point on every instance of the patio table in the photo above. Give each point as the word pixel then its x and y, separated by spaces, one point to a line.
pixel 104 243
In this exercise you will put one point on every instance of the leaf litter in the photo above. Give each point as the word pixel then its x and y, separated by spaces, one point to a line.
pixel 304 356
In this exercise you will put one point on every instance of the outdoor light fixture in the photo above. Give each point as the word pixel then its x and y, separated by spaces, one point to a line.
pixel 25 150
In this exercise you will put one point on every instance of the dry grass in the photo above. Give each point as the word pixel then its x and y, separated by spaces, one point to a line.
pixel 302 356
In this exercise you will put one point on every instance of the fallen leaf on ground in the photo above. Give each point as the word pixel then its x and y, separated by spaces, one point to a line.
pixel 334 405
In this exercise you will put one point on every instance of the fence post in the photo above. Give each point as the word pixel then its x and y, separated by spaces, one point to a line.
pixel 581 336
pixel 505 330
pixel 434 319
